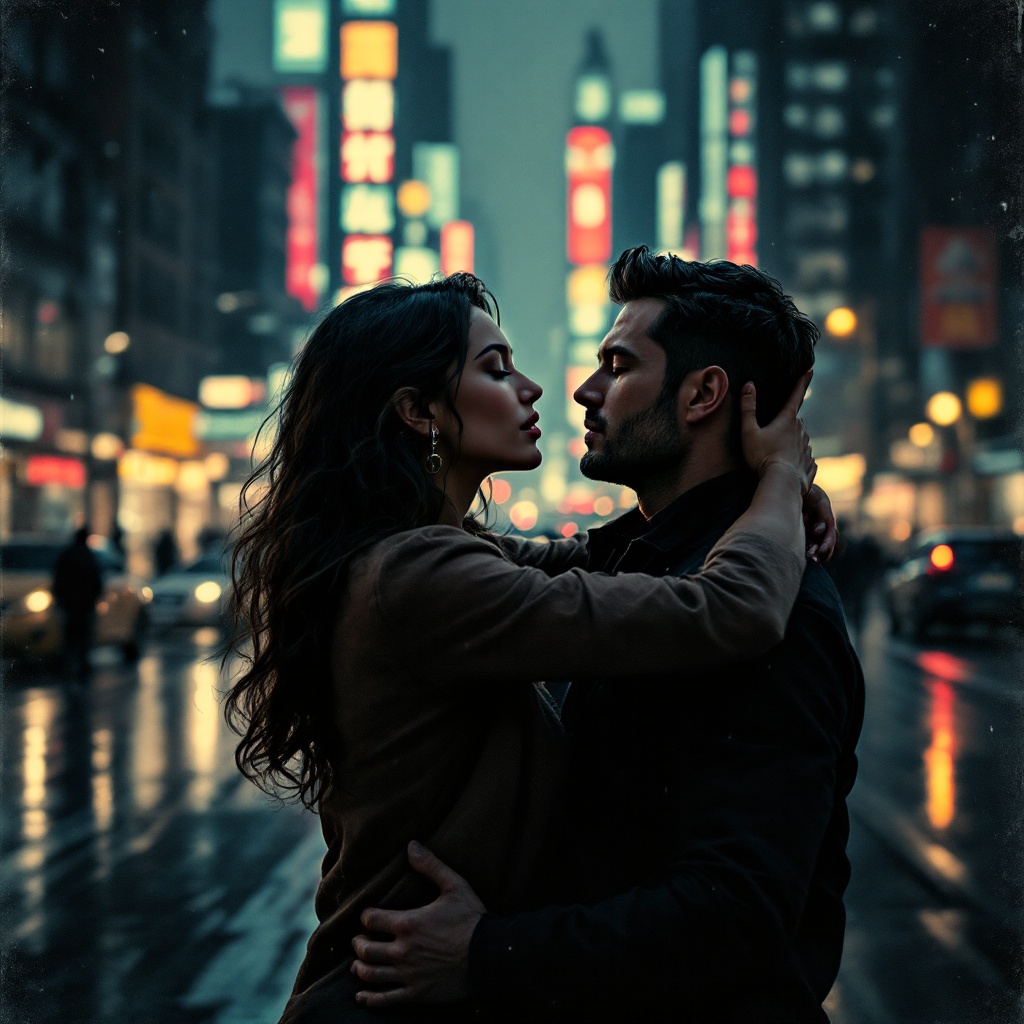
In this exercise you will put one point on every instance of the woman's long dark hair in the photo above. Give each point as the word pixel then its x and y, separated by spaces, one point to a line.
pixel 344 472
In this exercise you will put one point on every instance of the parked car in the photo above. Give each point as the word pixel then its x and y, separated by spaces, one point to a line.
pixel 31 618
pixel 957 575
pixel 196 595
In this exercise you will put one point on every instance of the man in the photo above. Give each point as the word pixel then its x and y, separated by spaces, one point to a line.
pixel 76 587
pixel 707 861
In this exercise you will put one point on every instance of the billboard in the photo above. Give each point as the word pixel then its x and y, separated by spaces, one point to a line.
pixel 589 159
pixel 302 244
pixel 958 288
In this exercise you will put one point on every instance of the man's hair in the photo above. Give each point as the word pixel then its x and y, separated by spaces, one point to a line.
pixel 720 314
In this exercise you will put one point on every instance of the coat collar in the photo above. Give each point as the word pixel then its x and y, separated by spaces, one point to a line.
pixel 704 510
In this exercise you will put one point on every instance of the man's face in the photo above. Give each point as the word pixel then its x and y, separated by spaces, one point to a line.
pixel 632 426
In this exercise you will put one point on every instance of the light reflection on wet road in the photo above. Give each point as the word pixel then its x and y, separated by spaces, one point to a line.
pixel 142 879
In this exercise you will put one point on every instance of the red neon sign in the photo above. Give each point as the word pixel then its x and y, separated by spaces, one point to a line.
pixel 457 247
pixel 742 182
pixel 52 469
pixel 588 163
pixel 300 104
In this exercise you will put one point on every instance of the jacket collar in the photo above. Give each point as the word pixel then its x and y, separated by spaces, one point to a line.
pixel 707 509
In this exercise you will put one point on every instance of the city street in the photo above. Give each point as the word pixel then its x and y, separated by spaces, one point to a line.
pixel 144 880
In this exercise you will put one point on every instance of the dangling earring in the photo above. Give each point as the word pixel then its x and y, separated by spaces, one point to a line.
pixel 434 461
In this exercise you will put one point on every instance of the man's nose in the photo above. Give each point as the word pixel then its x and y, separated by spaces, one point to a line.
pixel 589 394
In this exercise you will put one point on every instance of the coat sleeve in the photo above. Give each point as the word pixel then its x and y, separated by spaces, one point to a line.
pixel 553 558
pixel 729 909
pixel 455 606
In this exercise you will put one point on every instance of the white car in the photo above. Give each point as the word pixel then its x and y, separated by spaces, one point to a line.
pixel 196 595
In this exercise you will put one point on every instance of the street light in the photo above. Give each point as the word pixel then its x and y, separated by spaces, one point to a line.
pixel 985 398
pixel 943 408
pixel 841 322
pixel 921 435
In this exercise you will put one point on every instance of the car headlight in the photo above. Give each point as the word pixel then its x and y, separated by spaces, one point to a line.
pixel 207 592
pixel 146 593
pixel 38 601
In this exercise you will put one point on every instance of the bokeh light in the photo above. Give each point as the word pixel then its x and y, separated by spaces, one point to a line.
pixel 921 435
pixel 523 515
pixel 985 398
pixel 943 408
pixel 841 322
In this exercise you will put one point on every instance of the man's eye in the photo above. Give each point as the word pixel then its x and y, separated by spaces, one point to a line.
pixel 617 368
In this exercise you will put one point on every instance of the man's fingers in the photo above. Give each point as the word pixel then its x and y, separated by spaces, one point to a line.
pixel 375 1000
pixel 376 952
pixel 376 975
pixel 423 861
pixel 796 399
pixel 391 922
pixel 748 406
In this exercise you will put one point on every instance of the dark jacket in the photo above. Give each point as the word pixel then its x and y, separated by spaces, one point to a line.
pixel 444 735
pixel 76 579
pixel 708 852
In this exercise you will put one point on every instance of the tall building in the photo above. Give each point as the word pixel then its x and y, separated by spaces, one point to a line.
pixel 257 319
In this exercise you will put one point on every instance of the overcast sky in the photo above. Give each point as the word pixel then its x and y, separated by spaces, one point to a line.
pixel 514 62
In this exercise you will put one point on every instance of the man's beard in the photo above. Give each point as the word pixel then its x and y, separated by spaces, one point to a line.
pixel 644 447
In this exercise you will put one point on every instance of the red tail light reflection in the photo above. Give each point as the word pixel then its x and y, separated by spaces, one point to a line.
pixel 941 558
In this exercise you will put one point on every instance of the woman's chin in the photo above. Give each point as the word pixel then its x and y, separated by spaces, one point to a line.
pixel 521 462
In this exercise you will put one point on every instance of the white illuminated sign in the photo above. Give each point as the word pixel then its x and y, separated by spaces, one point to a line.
pixel 367 209
pixel 367 156
pixel 416 263
pixel 369 8
pixel 300 36
pixel 593 98
pixel 368 105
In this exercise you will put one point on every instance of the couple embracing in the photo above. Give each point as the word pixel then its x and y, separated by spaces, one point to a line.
pixel 670 844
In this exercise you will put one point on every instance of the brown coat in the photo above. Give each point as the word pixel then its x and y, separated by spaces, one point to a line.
pixel 446 736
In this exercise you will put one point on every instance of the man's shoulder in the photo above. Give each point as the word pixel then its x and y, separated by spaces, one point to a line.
pixel 818 591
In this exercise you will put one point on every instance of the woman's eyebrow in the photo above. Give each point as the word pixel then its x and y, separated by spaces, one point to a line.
pixel 496 346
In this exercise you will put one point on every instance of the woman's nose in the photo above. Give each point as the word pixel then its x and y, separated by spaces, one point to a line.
pixel 530 390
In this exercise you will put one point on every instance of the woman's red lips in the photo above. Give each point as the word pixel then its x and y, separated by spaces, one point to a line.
pixel 530 426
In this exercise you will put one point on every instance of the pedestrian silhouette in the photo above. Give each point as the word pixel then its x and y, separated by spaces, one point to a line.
pixel 117 540
pixel 76 586
pixel 165 554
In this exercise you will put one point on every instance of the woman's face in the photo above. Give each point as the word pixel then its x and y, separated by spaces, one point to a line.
pixel 495 402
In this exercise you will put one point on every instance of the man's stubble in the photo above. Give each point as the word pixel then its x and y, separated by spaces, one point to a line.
pixel 644 447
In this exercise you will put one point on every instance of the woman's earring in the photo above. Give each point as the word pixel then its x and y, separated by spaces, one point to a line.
pixel 434 461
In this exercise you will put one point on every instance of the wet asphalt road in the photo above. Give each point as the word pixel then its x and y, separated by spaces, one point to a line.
pixel 142 880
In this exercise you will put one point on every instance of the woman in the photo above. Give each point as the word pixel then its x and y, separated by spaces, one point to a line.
pixel 393 644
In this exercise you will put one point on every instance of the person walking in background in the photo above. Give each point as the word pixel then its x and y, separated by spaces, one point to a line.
pixel 76 587
pixel 165 554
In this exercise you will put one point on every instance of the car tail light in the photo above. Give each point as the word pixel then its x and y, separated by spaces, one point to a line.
pixel 941 558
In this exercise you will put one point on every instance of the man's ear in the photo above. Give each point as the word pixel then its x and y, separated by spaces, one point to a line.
pixel 413 411
pixel 704 392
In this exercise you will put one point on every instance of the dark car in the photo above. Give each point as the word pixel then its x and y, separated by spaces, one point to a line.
pixel 957 575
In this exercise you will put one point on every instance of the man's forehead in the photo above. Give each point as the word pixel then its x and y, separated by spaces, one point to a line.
pixel 633 321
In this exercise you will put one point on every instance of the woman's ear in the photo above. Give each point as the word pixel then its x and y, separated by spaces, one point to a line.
pixel 412 411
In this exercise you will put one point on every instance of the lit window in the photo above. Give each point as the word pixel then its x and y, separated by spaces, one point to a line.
pixel 824 17
pixel 367 156
pixel 832 165
pixel 368 105
pixel 831 76
pixel 365 259
pixel 367 209
pixel 798 169
pixel 864 22
pixel 798 76
pixel 883 117
pixel 829 122
pixel 589 208
pixel 795 116
pixel 369 49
